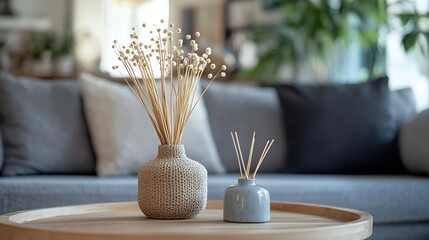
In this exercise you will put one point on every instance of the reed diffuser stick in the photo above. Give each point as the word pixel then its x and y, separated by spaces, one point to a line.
pixel 263 154
pixel 241 156
pixel 246 168
pixel 238 158
pixel 249 160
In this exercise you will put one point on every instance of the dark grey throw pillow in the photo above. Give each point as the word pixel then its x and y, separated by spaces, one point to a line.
pixel 345 129
pixel 43 127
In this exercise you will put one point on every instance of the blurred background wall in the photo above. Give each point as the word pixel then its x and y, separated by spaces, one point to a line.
pixel 257 39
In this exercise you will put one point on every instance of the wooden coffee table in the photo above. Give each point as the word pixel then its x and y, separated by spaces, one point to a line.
pixel 114 221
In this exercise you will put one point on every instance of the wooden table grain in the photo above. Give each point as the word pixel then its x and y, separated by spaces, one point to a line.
pixel 114 221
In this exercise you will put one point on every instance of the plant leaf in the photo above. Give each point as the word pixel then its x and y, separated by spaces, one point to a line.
pixel 409 40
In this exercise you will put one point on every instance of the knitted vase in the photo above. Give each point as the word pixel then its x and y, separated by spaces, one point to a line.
pixel 172 186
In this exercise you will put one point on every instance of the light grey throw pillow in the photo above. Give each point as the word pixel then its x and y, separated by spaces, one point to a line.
pixel 123 136
pixel 404 105
pixel 43 128
pixel 413 143
pixel 246 108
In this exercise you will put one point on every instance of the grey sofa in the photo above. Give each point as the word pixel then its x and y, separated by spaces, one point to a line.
pixel 398 202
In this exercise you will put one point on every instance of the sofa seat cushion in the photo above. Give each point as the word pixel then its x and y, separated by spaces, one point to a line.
pixel 390 199
pixel 40 191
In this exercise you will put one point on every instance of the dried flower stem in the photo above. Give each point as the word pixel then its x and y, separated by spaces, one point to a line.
pixel 169 105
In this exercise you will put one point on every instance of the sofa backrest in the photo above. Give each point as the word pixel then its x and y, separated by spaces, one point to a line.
pixel 248 107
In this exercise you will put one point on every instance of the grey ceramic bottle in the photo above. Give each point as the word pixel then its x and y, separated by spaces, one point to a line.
pixel 246 202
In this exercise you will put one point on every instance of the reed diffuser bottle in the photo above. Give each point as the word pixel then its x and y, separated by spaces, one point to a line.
pixel 247 202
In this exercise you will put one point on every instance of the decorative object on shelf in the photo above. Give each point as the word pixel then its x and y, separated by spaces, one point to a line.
pixel 247 202
pixel 172 186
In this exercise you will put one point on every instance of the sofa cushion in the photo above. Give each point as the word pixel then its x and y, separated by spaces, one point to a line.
pixel 244 109
pixel 404 105
pixel 342 129
pixel 123 135
pixel 40 191
pixel 43 127
pixel 414 138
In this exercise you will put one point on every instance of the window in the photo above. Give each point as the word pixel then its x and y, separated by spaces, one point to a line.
pixel 408 69
pixel 120 16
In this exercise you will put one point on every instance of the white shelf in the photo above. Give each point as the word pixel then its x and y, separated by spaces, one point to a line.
pixel 20 24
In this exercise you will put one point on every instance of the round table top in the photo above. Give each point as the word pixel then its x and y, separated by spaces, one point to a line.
pixel 114 221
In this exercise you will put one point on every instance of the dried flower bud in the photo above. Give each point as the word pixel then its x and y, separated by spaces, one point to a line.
pixel 210 76
pixel 188 37
pixel 144 25
pixel 223 68
pixel 222 74
pixel 115 41
pixel 172 25
pixel 179 30
pixel 209 51
pixel 213 66
pixel 162 20
pixel 197 34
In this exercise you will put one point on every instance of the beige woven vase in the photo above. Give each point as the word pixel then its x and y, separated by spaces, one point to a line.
pixel 172 186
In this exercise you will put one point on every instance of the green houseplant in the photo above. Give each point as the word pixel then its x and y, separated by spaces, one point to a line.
pixel 416 36
pixel 312 29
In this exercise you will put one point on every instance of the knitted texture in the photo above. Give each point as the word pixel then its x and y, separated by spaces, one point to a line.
pixel 172 186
